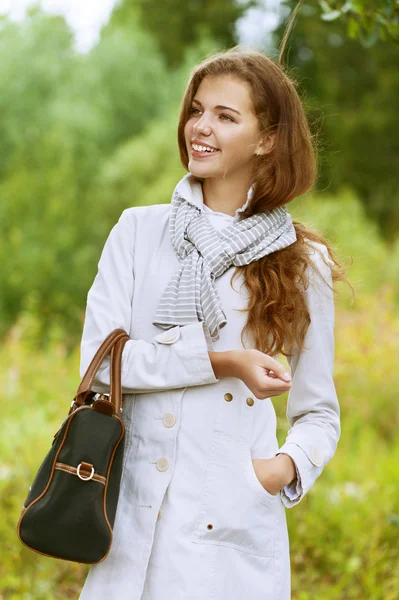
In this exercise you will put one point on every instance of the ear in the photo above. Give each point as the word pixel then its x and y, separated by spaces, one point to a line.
pixel 266 145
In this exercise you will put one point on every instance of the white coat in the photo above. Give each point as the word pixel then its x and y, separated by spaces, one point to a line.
pixel 193 520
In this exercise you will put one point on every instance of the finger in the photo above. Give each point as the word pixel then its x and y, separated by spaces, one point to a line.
pixel 277 390
pixel 277 385
pixel 272 393
pixel 277 380
pixel 271 373
pixel 278 369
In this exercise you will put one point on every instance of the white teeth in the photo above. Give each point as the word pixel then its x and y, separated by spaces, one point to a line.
pixel 203 148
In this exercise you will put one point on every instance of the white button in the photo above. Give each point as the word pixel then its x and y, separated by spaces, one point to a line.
pixel 170 339
pixel 162 464
pixel 170 336
pixel 317 457
pixel 169 420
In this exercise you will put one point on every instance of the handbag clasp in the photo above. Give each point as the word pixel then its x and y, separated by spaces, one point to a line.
pixel 81 476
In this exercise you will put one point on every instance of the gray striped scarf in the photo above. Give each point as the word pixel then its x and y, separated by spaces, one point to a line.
pixel 207 253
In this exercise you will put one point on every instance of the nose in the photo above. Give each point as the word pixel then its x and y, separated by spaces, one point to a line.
pixel 202 126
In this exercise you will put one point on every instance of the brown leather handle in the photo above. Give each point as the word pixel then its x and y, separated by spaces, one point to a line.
pixel 116 374
pixel 106 347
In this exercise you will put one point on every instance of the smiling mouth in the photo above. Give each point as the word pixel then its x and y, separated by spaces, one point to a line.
pixel 203 150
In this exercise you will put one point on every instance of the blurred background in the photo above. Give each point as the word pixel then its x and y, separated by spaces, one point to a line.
pixel 89 101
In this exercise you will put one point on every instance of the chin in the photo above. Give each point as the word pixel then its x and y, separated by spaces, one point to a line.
pixel 200 171
pixel 197 171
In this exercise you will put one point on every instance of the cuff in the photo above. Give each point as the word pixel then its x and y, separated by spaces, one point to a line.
pixel 293 493
pixel 198 338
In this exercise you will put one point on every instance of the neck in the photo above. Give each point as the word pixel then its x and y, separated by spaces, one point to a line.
pixel 225 195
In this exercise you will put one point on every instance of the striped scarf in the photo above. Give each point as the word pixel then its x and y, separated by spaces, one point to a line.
pixel 207 253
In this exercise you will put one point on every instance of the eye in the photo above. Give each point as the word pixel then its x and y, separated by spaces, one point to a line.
pixel 224 116
pixel 192 111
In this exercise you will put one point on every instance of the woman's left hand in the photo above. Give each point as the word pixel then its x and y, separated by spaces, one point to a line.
pixel 274 473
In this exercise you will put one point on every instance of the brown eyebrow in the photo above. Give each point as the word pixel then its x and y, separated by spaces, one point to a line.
pixel 220 106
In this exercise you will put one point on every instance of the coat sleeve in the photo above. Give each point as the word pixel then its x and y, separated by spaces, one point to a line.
pixel 174 358
pixel 313 410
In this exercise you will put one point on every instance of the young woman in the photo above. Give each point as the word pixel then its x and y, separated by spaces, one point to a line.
pixel 201 513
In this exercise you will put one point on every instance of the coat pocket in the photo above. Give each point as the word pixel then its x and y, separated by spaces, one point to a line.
pixel 235 509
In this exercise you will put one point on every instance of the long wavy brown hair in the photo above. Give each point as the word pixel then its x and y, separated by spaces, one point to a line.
pixel 278 317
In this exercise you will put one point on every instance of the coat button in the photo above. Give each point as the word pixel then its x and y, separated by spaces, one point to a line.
pixel 170 336
pixel 162 464
pixel 250 401
pixel 228 397
pixel 317 457
pixel 170 339
pixel 169 420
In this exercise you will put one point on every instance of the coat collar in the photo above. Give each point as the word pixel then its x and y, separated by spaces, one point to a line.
pixel 190 188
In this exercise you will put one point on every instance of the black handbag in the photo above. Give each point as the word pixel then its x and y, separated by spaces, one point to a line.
pixel 70 510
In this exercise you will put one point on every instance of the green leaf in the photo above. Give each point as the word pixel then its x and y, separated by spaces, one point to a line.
pixel 331 15
pixel 380 19
pixel 357 7
pixel 353 28
pixel 371 38
pixel 388 9
pixel 325 7
pixel 347 7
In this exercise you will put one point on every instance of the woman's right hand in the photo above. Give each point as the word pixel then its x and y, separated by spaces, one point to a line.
pixel 261 373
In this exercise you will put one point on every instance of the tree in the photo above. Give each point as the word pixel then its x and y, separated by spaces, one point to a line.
pixel 350 93
pixel 177 25
pixel 63 115
pixel 366 21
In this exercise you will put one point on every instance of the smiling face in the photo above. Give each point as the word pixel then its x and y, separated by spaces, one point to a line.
pixel 222 119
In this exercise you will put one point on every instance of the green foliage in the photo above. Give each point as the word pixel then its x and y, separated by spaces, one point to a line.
pixel 36 391
pixel 177 26
pixel 366 21
pixel 344 222
pixel 61 120
pixel 350 94
pixel 29 81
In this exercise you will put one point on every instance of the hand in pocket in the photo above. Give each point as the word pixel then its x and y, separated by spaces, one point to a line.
pixel 274 473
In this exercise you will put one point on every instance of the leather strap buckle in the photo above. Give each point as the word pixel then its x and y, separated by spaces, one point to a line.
pixel 85 465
